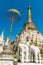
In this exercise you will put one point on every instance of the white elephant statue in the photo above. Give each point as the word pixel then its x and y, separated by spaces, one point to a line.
pixel 35 52
pixel 28 53
pixel 23 52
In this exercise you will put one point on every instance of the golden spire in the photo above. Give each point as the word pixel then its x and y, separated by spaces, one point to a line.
pixel 29 13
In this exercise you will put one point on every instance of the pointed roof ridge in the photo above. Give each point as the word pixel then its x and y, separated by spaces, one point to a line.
pixel 2 35
pixel 2 38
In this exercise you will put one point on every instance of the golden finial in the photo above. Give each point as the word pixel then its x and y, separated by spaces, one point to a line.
pixel 29 12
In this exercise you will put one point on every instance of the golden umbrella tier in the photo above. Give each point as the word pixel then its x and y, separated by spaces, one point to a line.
pixel 14 11
pixel 12 18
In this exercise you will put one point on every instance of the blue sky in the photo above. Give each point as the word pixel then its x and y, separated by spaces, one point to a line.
pixel 22 6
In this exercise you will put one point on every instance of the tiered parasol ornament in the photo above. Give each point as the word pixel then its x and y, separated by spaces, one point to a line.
pixel 13 15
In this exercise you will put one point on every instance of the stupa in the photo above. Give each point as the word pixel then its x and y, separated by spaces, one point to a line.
pixel 6 57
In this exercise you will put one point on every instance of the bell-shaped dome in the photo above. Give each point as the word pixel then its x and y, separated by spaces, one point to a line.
pixel 29 24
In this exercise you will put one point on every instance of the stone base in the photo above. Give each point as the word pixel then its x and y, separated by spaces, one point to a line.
pixel 29 63
pixel 6 62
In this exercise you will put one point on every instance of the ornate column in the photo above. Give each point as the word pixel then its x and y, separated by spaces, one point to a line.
pixel 27 53
pixel 22 54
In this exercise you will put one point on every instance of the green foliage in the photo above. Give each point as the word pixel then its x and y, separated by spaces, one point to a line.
pixel 41 50
pixel 15 56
